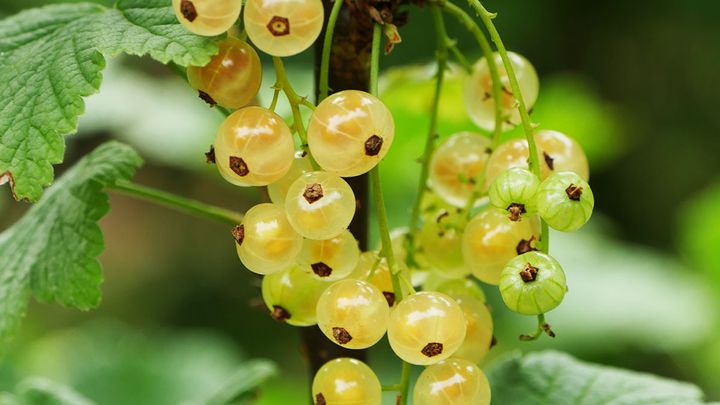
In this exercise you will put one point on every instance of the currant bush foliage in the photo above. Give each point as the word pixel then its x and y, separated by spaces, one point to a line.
pixel 52 57
pixel 51 253
pixel 556 378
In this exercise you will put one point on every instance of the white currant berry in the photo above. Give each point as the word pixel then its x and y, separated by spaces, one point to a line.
pixel 291 296
pixel 330 259
pixel 452 382
pixel 283 27
pixel 456 165
pixel 515 190
pixel 207 17
pixel 565 201
pixel 532 283
pixel 346 381
pixel 277 191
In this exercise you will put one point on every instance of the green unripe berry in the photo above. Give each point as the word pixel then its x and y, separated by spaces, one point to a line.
pixel 565 201
pixel 532 283
pixel 515 190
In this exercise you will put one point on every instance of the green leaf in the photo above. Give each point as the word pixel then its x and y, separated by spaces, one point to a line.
pixel 51 253
pixel 557 378
pixel 52 57
pixel 42 391
pixel 240 387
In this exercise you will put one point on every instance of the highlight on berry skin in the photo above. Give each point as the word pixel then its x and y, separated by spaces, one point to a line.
pixel 291 296
pixel 232 78
pixel 268 243
pixel 350 132
pixel 426 328
pixel 320 205
pixel 452 382
pixel 478 94
pixel 353 314
pixel 532 284
pixel 346 381
pixel 207 17
pixel 283 27
pixel 253 147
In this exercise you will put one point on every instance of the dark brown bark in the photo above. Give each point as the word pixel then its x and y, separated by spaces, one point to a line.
pixel 349 69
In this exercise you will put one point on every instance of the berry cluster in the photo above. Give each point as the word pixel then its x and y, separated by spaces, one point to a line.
pixel 483 211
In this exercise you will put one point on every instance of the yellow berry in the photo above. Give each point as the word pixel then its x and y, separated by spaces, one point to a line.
pixel 452 382
pixel 253 147
pixel 320 205
pixel 350 132
pixel 291 296
pixel 330 259
pixel 278 189
pixel 353 313
pixel 232 78
pixel 283 27
pixel 207 17
pixel 456 165
pixel 346 381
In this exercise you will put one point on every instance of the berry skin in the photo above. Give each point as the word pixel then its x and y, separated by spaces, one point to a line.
pixel 320 205
pixel 381 278
pixel 232 78
pixel 565 201
pixel 532 283
pixel 442 248
pixel 353 313
pixel 207 17
pixel 331 259
pixel 452 382
pixel 350 132
pixel 267 243
pixel 514 190
pixel 479 335
pixel 346 381
pixel 253 147
pixel 426 328
pixel 278 189
pixel 456 164
pixel 283 27
pixel 558 153
pixel 455 288
pixel 291 296
pixel 479 101
pixel 491 239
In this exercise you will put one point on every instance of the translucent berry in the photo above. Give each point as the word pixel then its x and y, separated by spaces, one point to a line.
pixel 265 241
pixel 479 335
pixel 456 165
pixel 291 296
pixel 479 101
pixel 557 153
pixel 455 288
pixel 346 381
pixel 283 27
pixel 278 189
pixel 491 239
pixel 565 201
pixel 350 132
pixel 331 259
pixel 442 248
pixel 452 382
pixel 207 17
pixel 320 205
pixel 514 191
pixel 532 284
pixel 253 147
pixel 426 328
pixel 353 313
pixel 232 78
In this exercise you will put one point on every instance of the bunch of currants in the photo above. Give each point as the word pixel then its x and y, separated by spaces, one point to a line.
pixel 482 215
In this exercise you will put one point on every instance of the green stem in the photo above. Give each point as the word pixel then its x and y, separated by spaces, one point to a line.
pixel 404 383
pixel 542 326
pixel 534 160
pixel 469 24
pixel 295 101
pixel 375 60
pixel 327 48
pixel 442 47
pixel 461 59
pixel 177 202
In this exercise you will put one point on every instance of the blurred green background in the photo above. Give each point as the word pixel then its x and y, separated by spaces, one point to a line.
pixel 636 83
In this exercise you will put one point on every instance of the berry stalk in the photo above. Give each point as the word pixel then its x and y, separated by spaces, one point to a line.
pixel 441 54
pixel 324 79
pixel 176 202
